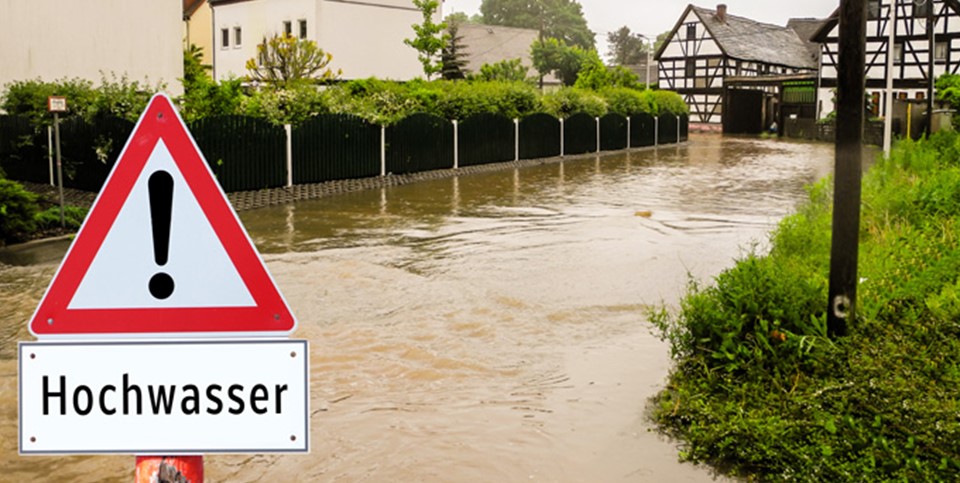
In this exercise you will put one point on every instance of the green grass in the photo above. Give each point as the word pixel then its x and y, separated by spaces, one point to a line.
pixel 758 389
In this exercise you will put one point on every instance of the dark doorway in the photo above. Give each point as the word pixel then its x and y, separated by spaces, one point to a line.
pixel 743 111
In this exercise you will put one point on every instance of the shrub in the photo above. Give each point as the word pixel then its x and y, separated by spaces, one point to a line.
pixel 571 100
pixel 49 219
pixel 17 210
pixel 669 102
pixel 627 102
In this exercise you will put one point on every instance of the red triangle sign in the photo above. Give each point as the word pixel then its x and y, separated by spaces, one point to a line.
pixel 162 252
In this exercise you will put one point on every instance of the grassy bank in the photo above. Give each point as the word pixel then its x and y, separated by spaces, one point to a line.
pixel 760 391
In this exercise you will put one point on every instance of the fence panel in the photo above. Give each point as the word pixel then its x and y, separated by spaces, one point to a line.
pixel 613 132
pixel 421 142
pixel 23 152
pixel 89 149
pixel 486 138
pixel 580 134
pixel 243 152
pixel 642 130
pixel 668 129
pixel 684 128
pixel 539 136
pixel 335 146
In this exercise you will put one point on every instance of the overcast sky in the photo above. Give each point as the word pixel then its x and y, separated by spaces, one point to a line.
pixel 652 17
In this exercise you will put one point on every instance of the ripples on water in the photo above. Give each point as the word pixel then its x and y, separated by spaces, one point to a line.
pixel 486 328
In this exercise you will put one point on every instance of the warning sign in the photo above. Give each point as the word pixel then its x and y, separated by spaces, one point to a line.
pixel 162 251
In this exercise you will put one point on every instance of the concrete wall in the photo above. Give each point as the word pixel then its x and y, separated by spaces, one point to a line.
pixel 364 37
pixel 90 39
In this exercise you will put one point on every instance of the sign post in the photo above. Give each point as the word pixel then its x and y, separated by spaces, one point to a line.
pixel 162 333
pixel 56 105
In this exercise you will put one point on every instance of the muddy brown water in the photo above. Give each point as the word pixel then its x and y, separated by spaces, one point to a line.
pixel 482 328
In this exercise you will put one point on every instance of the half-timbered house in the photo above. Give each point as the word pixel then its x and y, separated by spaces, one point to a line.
pixel 708 48
pixel 922 28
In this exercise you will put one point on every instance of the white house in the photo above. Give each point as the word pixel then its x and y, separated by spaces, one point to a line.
pixel 92 39
pixel 708 50
pixel 911 50
pixel 365 37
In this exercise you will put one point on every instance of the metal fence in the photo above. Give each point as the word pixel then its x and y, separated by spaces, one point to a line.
pixel 613 132
pixel 486 138
pixel 244 153
pixel 335 146
pixel 250 154
pixel 539 136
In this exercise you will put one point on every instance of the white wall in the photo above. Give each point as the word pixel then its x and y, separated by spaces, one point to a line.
pixel 364 37
pixel 54 39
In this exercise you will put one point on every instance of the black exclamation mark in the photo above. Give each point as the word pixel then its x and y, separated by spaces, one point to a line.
pixel 160 188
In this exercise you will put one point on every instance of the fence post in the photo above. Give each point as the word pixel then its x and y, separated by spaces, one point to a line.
pixel 383 150
pixel 628 132
pixel 678 129
pixel 598 133
pixel 516 140
pixel 456 144
pixel 561 137
pixel 656 131
pixel 289 130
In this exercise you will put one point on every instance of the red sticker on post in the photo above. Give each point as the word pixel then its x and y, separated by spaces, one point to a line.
pixel 162 252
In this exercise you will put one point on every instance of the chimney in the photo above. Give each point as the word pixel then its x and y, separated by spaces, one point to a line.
pixel 722 13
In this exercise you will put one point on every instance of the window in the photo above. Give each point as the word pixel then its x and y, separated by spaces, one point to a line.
pixel 691 31
pixel 898 53
pixel 940 50
pixel 690 69
pixel 287 28
pixel 224 38
pixel 873 9
pixel 237 37
pixel 302 24
pixel 921 8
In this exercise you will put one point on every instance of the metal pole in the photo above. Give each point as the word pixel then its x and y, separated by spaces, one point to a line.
pixel 456 145
pixel 383 150
pixel 151 469
pixel 561 137
pixel 851 88
pixel 56 136
pixel 288 129
pixel 628 132
pixel 598 134
pixel 516 140
pixel 930 78
pixel 50 153
pixel 888 106
pixel 656 131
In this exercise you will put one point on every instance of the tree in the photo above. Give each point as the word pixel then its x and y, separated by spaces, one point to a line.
pixel 283 60
pixel 202 96
pixel 429 40
pixel 559 19
pixel 453 58
pixel 626 48
pixel 511 70
pixel 552 55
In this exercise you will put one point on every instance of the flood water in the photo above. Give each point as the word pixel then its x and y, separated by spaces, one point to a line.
pixel 483 328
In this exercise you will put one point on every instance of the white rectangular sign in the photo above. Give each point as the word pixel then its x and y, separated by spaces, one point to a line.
pixel 176 397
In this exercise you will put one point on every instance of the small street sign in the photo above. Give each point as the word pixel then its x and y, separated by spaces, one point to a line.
pixel 162 252
pixel 56 104
pixel 185 397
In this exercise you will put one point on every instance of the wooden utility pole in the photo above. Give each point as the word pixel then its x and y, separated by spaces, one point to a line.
pixel 846 191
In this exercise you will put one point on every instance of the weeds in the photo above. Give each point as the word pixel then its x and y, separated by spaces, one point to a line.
pixel 760 391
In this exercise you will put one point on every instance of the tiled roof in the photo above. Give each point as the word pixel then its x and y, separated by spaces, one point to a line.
pixel 746 39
